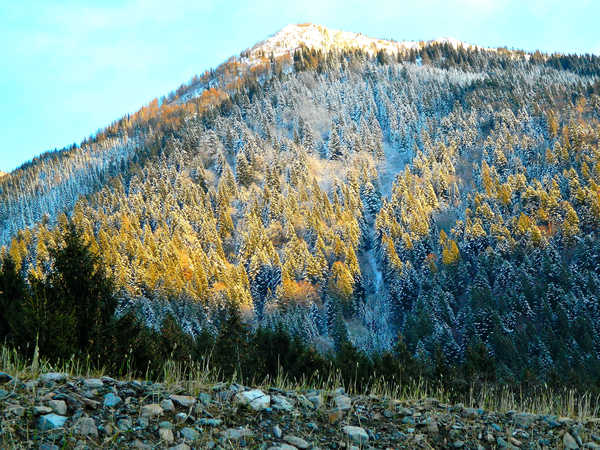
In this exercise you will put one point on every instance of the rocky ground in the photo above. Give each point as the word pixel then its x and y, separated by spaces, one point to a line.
pixel 55 411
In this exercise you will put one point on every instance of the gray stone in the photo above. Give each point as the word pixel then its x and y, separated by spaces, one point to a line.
pixel 51 421
pixel 181 417
pixel 165 424
pixel 111 400
pixel 569 441
pixel 46 446
pixel 315 400
pixel 166 435
pixel 53 377
pixel 235 434
pixel 93 383
pixel 255 399
pixel 524 420
pixel 591 445
pixel 167 405
pixel 277 432
pixel 181 446
pixel 204 398
pixel 343 402
pixel 210 422
pixel 183 400
pixel 282 447
pixel 124 424
pixel 405 411
pixel 58 406
pixel 357 434
pixel 189 434
pixel 15 410
pixel 279 402
pixel 86 427
pixel 296 441
pixel 152 410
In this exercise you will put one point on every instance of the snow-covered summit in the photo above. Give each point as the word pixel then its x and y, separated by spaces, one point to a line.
pixel 319 37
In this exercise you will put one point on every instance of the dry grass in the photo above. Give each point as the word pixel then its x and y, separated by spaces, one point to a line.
pixel 195 377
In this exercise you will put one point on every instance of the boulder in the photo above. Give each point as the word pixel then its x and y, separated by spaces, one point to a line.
pixel 51 422
pixel 356 434
pixel 255 399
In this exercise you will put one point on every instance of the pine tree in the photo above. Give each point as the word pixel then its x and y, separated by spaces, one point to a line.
pixel 335 146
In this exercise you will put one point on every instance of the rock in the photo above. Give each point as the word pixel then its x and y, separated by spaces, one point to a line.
pixel 296 441
pixel 152 410
pixel 51 421
pixel 591 445
pixel 315 400
pixel 282 447
pixel 210 422
pixel 343 402
pixel 339 391
pixel 143 422
pixel 569 441
pixel 280 403
pixel 166 424
pixel 167 405
pixel 335 415
pixel 45 446
pixel 515 441
pixel 356 434
pixel 58 406
pixel 277 432
pixel 255 399
pixel 111 400
pixel 181 417
pixel 86 427
pixel 432 427
pixel 166 435
pixel 108 380
pixel 186 401
pixel 5 378
pixel 524 420
pixel 189 434
pixel 204 398
pixel 93 383
pixel 15 410
pixel 304 402
pixel 235 434
pixel 124 424
pixel 53 377
pixel 181 446
pixel 405 412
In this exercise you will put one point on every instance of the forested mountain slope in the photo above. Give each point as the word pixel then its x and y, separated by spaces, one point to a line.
pixel 439 191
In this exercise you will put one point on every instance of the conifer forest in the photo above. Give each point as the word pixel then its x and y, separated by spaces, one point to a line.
pixel 432 210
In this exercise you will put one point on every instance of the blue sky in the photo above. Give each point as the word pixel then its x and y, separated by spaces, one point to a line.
pixel 71 67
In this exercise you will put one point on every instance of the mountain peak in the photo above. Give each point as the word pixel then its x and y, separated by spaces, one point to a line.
pixel 319 37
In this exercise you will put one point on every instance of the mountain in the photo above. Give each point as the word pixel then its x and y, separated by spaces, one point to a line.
pixel 349 190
